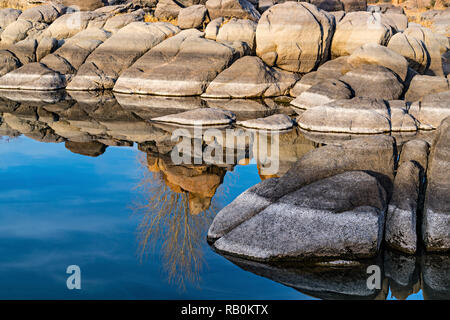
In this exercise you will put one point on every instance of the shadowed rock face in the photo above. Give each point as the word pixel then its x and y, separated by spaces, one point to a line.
pixel 436 221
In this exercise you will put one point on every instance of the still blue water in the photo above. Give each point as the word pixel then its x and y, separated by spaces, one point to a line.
pixel 58 208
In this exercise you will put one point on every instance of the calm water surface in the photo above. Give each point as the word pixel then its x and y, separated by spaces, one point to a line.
pixel 58 208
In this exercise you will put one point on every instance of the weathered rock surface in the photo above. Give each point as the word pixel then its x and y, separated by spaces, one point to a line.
pixel 412 49
pixel 403 210
pixel 212 29
pixel 249 77
pixel 167 10
pixel 322 93
pixel 192 17
pixel 238 30
pixel 436 218
pixel 337 217
pixel 8 16
pixel 354 5
pixel 182 65
pixel 91 149
pixel 241 9
pixel 33 76
pixel 202 116
pixel 357 29
pixel 330 70
pixel 375 153
pixel 422 85
pixel 116 23
pixel 64 62
pixel 104 66
pixel 70 24
pixel 275 122
pixel 435 44
pixel 294 36
pixel 401 220
pixel 373 81
pixel 357 115
pixel 379 55
pixel 431 110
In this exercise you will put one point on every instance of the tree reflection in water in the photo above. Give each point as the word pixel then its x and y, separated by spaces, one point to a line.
pixel 177 209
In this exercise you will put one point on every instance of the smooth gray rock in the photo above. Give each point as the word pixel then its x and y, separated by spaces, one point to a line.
pixel 274 122
pixel 241 9
pixel 431 110
pixel 302 46
pixel 379 55
pixel 374 153
pixel 250 77
pixel 373 81
pixel 435 44
pixel 8 16
pixel 412 49
pixel 183 65
pixel 422 85
pixel 322 93
pixel 401 219
pixel 357 115
pixel 103 67
pixel 357 29
pixel 33 76
pixel 337 217
pixel 238 30
pixel 192 17
pixel 202 116
pixel 167 10
pixel 436 218
pixel 212 29
pixel 8 62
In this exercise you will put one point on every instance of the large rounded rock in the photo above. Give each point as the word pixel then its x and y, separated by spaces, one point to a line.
pixel 357 115
pixel 431 110
pixel 435 44
pixel 8 16
pixel 372 81
pixel 8 62
pixel 238 30
pixel 192 17
pixel 338 217
pixel 33 76
pixel 241 9
pixel 412 49
pixel 357 29
pixel 401 220
pixel 294 36
pixel 182 65
pixel 201 116
pixel 249 77
pixel 103 66
pixel 322 93
pixel 379 55
pixel 421 86
pixel 375 153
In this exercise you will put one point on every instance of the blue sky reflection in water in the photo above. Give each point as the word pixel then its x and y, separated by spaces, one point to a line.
pixel 58 208
pixel 131 234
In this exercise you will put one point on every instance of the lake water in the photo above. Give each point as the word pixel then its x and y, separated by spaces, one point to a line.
pixel 136 224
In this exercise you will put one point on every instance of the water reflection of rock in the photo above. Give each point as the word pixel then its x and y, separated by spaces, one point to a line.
pixel 400 274
pixel 181 198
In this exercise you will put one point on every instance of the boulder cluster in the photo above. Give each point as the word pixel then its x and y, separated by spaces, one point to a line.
pixel 343 201
pixel 344 66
